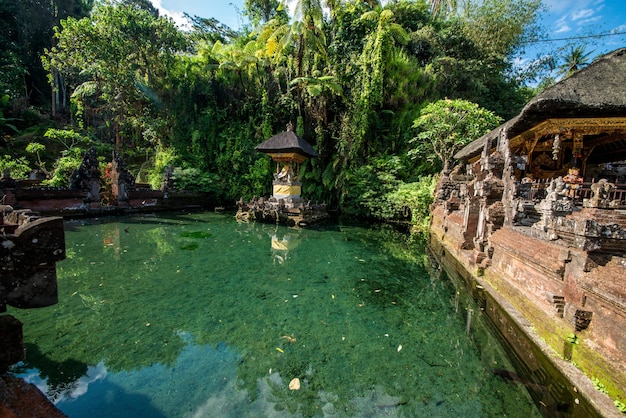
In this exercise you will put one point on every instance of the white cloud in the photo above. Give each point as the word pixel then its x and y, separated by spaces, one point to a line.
pixel 562 28
pixel 561 25
pixel 178 17
pixel 577 13
pixel 580 14
pixel 589 21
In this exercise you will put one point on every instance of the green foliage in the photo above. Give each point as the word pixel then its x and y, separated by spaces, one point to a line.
pixel 446 126
pixel 500 26
pixel 599 385
pixel 35 148
pixel 163 158
pixel 65 166
pixel 66 137
pixel 18 167
pixel 4 122
pixel 373 64
pixel 262 11
pixel 379 190
pixel 26 30
pixel 118 60
pixel 367 187
pixel 417 198
pixel 195 180
pixel 356 83
pixel 257 179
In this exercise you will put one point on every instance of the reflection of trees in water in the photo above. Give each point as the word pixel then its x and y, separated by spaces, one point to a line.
pixel 61 376
pixel 162 238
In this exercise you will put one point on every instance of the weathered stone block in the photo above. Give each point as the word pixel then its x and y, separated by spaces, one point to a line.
pixel 11 342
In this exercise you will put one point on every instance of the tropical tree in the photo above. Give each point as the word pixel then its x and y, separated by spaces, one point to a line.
pixel 500 26
pixel 209 30
pixel 373 63
pixel 26 29
pixel 573 60
pixel 303 39
pixel 118 61
pixel 240 60
pixel 262 11
pixel 443 8
pixel 446 126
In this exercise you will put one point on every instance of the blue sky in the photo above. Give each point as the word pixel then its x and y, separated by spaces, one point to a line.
pixel 563 19
pixel 229 12
pixel 577 18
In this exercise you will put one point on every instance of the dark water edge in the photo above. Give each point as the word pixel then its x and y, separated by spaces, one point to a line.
pixel 552 391
pixel 195 315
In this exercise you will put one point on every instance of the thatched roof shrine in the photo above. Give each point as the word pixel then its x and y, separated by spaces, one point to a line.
pixel 591 102
pixel 287 146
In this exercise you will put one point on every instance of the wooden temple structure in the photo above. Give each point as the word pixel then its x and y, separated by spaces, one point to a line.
pixel 286 205
pixel 535 211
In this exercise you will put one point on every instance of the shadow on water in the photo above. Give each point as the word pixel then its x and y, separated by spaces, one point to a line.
pixel 138 219
pixel 527 367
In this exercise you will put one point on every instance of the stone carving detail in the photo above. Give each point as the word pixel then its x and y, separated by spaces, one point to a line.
pixel 121 179
pixel 555 205
pixel 285 176
pixel 292 211
pixel 168 179
pixel 579 318
pixel 87 177
pixel 601 195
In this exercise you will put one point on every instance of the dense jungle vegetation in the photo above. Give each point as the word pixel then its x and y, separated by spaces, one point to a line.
pixel 385 94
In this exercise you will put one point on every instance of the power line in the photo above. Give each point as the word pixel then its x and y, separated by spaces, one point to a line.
pixel 600 35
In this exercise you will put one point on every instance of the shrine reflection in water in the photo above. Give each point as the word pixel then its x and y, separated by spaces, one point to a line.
pixel 198 315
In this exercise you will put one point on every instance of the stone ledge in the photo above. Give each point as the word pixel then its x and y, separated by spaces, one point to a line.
pixel 19 399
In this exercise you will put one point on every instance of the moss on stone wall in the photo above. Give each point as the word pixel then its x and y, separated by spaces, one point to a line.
pixel 557 333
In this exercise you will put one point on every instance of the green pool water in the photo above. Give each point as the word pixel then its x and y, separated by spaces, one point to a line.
pixel 196 315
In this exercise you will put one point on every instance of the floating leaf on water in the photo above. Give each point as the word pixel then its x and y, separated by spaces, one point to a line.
pixel 294 384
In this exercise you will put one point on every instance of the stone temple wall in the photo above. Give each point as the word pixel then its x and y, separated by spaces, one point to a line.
pixel 560 264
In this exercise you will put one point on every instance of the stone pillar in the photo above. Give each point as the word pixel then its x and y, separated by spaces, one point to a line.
pixel 121 180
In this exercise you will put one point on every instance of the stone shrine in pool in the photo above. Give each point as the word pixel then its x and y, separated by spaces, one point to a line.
pixel 286 204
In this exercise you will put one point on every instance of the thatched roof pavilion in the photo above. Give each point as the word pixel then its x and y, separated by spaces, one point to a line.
pixel 287 147
pixel 286 204
pixel 588 108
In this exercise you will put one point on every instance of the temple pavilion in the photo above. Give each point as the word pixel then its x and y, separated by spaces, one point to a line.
pixel 286 204
pixel 536 209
